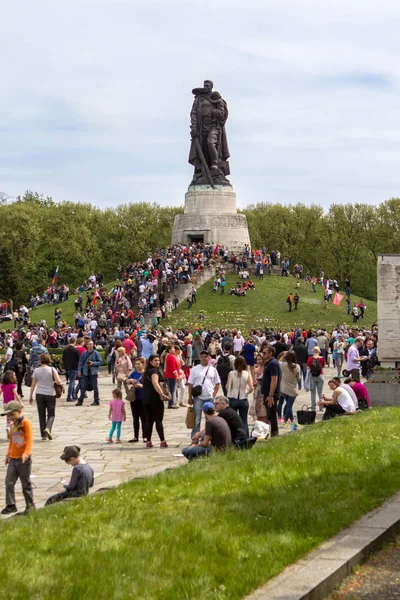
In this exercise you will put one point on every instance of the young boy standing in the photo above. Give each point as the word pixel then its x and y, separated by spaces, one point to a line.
pixel 81 479
pixel 18 458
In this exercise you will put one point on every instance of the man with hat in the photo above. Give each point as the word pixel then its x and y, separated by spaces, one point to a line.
pixel 216 435
pixel 82 476
pixel 18 457
pixel 204 383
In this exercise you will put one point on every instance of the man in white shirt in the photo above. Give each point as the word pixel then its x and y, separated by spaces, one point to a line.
pixel 206 377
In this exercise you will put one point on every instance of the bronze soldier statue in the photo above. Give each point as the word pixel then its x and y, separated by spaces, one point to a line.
pixel 209 150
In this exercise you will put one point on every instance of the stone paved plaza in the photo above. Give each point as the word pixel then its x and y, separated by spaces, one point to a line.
pixel 88 427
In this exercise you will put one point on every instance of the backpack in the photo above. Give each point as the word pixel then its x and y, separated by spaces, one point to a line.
pixel 224 366
pixel 315 367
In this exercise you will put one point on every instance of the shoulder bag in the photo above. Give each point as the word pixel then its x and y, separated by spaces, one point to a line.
pixel 58 387
pixel 197 389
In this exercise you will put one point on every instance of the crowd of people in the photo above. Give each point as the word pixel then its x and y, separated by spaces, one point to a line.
pixel 228 378
pixel 221 374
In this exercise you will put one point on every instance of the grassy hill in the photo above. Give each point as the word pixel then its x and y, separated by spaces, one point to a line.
pixel 266 307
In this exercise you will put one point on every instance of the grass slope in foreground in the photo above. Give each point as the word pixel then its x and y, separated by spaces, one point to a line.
pixel 266 307
pixel 216 528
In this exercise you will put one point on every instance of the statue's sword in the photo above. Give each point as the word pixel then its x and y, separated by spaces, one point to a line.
pixel 203 161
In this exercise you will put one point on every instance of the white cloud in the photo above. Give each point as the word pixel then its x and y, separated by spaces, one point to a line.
pixel 96 97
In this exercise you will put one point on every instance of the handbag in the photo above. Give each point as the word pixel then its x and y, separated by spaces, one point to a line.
pixel 131 395
pixel 197 389
pixel 308 381
pixel 58 387
pixel 306 416
pixel 165 390
pixel 190 418
pixel 28 378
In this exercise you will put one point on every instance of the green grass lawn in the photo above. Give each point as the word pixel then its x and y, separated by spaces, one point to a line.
pixel 266 307
pixel 216 528
pixel 46 311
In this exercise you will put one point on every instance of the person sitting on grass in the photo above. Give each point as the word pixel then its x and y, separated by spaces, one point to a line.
pixel 361 392
pixel 216 435
pixel 82 476
pixel 340 403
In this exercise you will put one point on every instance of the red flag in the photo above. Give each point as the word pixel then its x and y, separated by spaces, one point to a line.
pixel 337 299
pixel 96 295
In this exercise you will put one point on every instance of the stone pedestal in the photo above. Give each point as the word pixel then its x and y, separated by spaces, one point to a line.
pixel 210 216
pixel 388 271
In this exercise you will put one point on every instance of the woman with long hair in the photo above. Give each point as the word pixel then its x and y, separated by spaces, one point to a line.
pixel 238 387
pixel 123 366
pixel 153 400
pixel 136 379
pixel 291 375
pixel 259 409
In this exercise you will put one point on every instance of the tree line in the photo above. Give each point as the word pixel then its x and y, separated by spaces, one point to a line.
pixel 37 234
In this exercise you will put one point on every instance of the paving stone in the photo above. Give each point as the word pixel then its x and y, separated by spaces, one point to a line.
pixel 88 427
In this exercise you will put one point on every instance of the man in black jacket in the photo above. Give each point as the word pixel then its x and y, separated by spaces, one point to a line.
pixel 301 356
pixel 70 358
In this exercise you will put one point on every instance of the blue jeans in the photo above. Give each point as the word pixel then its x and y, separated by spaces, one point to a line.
pixel 71 391
pixel 197 407
pixel 287 411
pixel 172 387
pixel 84 383
pixel 192 452
pixel 115 425
pixel 241 407
pixel 318 384
pixel 303 369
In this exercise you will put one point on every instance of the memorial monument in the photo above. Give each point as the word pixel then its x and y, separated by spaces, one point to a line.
pixel 388 271
pixel 210 213
pixel 383 386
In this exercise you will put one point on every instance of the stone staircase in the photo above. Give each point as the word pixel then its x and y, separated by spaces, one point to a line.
pixel 182 290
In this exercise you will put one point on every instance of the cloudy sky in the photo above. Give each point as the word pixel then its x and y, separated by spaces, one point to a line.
pixel 96 97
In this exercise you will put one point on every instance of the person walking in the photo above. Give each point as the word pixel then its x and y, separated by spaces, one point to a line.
pixel 239 386
pixel 43 380
pixel 171 373
pixel 338 350
pixel 123 367
pixel 137 410
pixel 116 415
pixel 291 377
pixel 270 386
pixel 88 371
pixel 20 361
pixel 289 300
pixel 153 400
pixel 301 356
pixel 204 383
pixel 18 458
pixel 70 358
pixel 316 364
